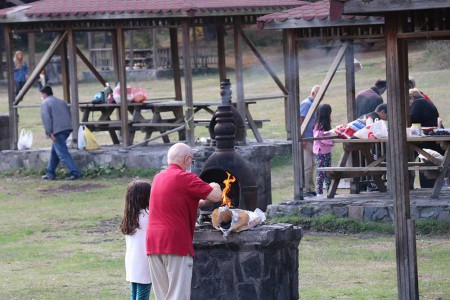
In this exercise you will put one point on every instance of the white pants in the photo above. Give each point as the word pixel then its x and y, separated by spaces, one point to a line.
pixel 309 165
pixel 171 276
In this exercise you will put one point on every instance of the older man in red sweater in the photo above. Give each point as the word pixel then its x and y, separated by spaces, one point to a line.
pixel 176 194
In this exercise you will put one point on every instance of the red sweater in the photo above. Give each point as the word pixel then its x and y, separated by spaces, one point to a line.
pixel 173 210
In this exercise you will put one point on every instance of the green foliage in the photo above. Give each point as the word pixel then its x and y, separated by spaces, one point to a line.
pixel 432 227
pixel 437 51
pixel 93 170
pixel 331 223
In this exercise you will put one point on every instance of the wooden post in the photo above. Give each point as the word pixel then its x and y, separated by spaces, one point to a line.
pixel 13 116
pixel 221 52
pixel 175 56
pixel 31 51
pixel 188 84
pixel 397 161
pixel 115 58
pixel 65 72
pixel 238 68
pixel 350 96
pixel 154 48
pixel 73 79
pixel 123 85
pixel 287 102
pixel 173 32
pixel 292 84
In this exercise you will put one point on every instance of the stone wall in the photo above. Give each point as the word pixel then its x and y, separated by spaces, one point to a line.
pixel 258 264
pixel 364 207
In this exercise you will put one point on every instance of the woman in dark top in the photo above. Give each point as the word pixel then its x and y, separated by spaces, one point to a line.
pixel 425 113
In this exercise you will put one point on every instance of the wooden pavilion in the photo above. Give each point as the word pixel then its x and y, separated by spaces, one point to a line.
pixel 66 18
pixel 308 23
pixel 404 21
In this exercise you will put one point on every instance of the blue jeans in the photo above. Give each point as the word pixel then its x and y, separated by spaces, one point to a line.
pixel 140 291
pixel 61 152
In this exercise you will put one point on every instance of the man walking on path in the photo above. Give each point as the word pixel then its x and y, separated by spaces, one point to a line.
pixel 55 115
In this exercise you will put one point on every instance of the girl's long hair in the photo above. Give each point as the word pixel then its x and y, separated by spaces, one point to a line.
pixel 137 198
pixel 323 118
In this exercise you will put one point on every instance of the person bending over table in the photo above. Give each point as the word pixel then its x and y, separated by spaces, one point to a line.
pixel 425 113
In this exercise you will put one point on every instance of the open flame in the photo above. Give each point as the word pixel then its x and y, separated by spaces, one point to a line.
pixel 225 199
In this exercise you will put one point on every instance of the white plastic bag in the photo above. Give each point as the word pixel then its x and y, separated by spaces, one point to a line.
pixel 379 129
pixel 116 93
pixel 25 140
pixel 238 219
pixel 81 138
pixel 69 140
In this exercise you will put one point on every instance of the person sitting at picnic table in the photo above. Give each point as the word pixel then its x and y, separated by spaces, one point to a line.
pixel 426 114
pixel 412 85
pixel 380 113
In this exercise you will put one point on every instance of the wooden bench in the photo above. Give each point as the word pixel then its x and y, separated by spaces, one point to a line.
pixel 351 172
pixel 101 125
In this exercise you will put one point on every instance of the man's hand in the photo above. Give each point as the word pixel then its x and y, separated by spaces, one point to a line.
pixel 216 193
pixel 53 137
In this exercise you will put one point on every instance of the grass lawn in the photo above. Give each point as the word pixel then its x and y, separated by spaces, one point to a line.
pixel 60 240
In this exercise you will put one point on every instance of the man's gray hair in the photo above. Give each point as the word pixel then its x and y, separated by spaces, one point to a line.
pixel 177 153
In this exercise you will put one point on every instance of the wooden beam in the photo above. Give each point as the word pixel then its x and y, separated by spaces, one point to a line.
pixel 91 67
pixel 173 33
pixel 13 116
pixel 263 61
pixel 286 60
pixel 73 79
pixel 220 29
pixel 396 60
pixel 44 60
pixel 65 72
pixel 121 53
pixel 324 86
pixel 383 6
pixel 115 58
pixel 239 68
pixel 31 50
pixel 188 83
pixel 350 81
pixel 175 56
pixel 292 83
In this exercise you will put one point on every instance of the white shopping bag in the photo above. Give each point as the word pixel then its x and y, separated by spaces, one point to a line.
pixel 25 140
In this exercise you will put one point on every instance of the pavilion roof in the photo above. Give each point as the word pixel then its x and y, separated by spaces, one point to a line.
pixel 314 14
pixel 45 10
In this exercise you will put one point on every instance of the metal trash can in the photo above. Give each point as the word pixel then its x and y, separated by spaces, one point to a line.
pixel 4 132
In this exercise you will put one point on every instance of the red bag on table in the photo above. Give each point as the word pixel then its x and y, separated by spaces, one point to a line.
pixel 348 130
pixel 140 94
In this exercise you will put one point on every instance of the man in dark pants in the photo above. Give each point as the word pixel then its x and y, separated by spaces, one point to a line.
pixel 367 100
pixel 425 113
pixel 56 118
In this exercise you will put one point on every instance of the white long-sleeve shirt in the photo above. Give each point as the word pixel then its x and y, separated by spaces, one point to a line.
pixel 136 263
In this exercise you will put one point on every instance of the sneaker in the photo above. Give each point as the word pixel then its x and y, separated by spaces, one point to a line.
pixel 72 177
pixel 310 194
pixel 46 177
pixel 319 195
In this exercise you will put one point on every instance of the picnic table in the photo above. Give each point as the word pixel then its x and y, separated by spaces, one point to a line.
pixel 157 122
pixel 377 167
